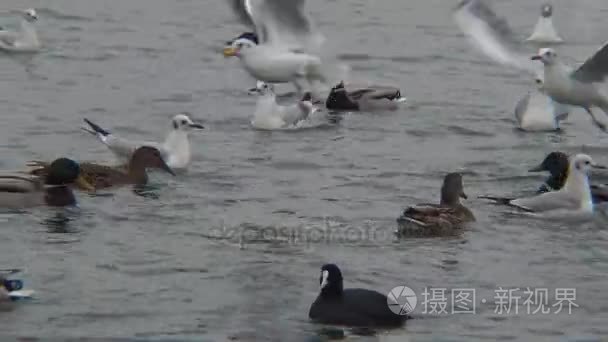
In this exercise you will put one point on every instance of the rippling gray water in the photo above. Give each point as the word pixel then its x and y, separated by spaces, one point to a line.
pixel 231 250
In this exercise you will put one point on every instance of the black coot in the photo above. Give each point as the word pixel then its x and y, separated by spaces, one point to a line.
pixel 351 307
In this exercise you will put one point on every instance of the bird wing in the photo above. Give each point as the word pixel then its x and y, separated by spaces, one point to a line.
pixel 8 38
pixel 595 69
pixel 520 108
pixel 19 184
pixel 493 36
pixel 242 9
pixel 280 23
pixel 122 148
pixel 102 176
pixel 554 200
pixel 293 114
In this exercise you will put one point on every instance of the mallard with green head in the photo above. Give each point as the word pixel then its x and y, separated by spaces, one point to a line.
pixel 53 190
pixel 104 176
pixel 444 218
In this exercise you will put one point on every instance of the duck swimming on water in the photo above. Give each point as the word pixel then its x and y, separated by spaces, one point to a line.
pixel 366 98
pixel 446 217
pixel 103 176
pixel 54 189
pixel 351 307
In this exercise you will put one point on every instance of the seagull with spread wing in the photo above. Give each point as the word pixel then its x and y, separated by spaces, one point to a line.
pixel 560 83
pixel 285 46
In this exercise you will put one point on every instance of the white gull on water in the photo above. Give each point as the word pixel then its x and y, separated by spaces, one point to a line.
pixel 573 199
pixel 175 149
pixel 269 115
pixel 544 31
pixel 24 40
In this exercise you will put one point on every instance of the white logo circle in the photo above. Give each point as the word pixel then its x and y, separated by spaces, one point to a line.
pixel 402 300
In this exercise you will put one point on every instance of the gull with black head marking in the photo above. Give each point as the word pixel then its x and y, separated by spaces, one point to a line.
pixel 285 46
pixel 430 219
pixel 544 31
pixel 24 40
pixel 573 199
pixel 351 307
pixel 175 149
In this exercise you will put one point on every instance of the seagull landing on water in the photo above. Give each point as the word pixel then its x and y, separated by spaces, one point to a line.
pixel 544 31
pixel 573 199
pixel 24 40
pixel 576 88
pixel 493 36
pixel 284 47
pixel 175 150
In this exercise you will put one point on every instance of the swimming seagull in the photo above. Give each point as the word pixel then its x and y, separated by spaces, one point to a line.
pixel 557 164
pixel 175 150
pixel 285 46
pixel 25 40
pixel 494 37
pixel 538 112
pixel 573 198
pixel 544 31
pixel 269 115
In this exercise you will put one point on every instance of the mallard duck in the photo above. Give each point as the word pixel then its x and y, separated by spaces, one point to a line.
pixel 12 289
pixel 438 219
pixel 352 307
pixel 556 163
pixel 52 190
pixel 103 176
pixel 175 149
pixel 367 98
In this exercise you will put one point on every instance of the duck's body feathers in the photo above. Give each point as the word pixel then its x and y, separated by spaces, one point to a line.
pixel 355 307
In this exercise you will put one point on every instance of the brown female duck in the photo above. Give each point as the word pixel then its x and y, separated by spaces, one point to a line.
pixel 103 176
pixel 438 219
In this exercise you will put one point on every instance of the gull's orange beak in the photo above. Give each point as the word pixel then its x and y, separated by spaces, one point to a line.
pixel 229 51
